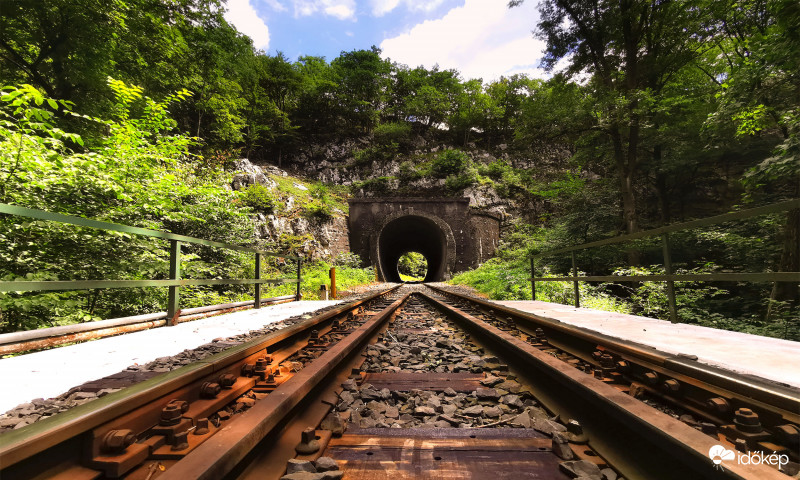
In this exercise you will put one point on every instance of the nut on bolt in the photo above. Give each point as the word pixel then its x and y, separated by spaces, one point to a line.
pixel 172 412
pixel 650 378
pixel 226 380
pixel 116 441
pixel 248 370
pixel 718 404
pixel 747 421
pixel 623 366
pixel 671 385
pixel 209 389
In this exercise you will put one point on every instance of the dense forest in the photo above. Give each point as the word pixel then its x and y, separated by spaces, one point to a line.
pixel 654 112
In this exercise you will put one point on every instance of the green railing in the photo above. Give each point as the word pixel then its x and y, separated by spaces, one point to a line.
pixel 670 278
pixel 174 283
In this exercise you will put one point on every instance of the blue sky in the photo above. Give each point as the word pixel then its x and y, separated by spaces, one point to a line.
pixel 480 38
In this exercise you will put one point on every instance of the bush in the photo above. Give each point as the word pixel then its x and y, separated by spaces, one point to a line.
pixel 320 205
pixel 376 153
pixel 450 162
pixel 259 198
pixel 392 133
pixel 408 172
pixel 456 183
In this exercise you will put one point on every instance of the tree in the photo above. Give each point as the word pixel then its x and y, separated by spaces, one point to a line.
pixel 631 49
pixel 363 85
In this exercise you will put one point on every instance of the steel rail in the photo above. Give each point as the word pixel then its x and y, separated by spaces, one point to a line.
pixel 18 445
pixel 770 394
pixel 663 447
pixel 219 455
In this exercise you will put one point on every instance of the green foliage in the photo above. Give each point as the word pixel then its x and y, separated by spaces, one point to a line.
pixel 318 273
pixel 376 153
pixel 259 198
pixel 140 173
pixel 392 133
pixel 321 206
pixel 450 162
pixel 412 267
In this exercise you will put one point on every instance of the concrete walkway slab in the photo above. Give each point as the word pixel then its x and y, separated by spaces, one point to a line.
pixel 770 358
pixel 52 372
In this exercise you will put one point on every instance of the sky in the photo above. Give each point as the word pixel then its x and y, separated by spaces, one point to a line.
pixel 480 38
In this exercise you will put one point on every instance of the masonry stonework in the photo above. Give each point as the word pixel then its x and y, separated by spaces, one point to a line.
pixel 447 231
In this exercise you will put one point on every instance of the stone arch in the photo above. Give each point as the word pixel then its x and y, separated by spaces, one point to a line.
pixel 416 231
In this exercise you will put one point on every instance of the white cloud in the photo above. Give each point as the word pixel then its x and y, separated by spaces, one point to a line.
pixel 482 39
pixel 244 17
pixel 382 7
pixel 341 9
pixel 276 5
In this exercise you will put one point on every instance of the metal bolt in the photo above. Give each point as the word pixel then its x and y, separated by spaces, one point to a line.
pixel 597 354
pixel 181 441
pixel 116 441
pixel 170 415
pixel 607 361
pixel 260 368
pixel 671 385
pixel 651 378
pixel 718 404
pixel 623 366
pixel 226 380
pixel 747 420
pixel 598 373
pixel 248 369
pixel 335 325
pixel 202 426
pixel 209 390
pixel 308 442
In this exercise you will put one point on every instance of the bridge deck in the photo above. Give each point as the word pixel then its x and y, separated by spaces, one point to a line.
pixel 770 358
pixel 52 372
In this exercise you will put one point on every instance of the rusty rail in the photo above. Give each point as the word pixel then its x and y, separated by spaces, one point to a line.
pixel 22 444
pixel 783 399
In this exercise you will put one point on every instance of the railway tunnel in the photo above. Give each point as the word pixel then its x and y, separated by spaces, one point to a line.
pixel 451 235
pixel 412 233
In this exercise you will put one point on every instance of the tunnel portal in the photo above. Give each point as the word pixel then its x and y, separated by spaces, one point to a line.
pixel 412 233
pixel 452 236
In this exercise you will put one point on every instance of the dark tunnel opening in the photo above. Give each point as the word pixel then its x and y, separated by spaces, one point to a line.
pixel 412 234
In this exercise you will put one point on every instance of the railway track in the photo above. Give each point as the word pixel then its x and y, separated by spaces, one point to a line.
pixel 417 382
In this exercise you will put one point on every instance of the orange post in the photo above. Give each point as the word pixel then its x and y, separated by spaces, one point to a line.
pixel 333 283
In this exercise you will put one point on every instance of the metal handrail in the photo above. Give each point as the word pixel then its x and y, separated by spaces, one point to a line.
pixel 173 283
pixel 670 278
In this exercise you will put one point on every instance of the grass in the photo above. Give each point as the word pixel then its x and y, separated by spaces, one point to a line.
pixel 317 273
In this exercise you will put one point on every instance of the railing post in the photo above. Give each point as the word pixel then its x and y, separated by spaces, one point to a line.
pixel 333 283
pixel 174 297
pixel 673 313
pixel 297 295
pixel 575 283
pixel 257 299
pixel 533 275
